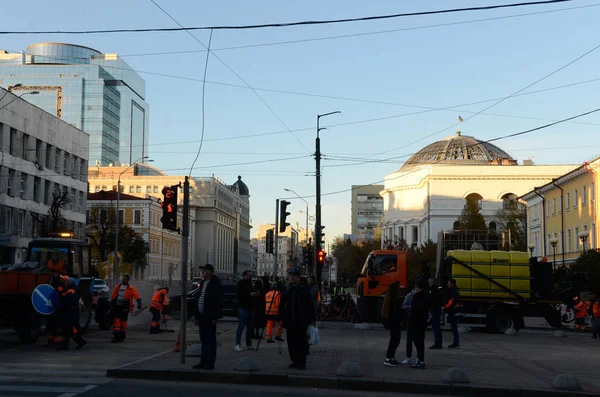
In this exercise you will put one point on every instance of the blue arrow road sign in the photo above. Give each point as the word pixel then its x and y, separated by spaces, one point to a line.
pixel 44 299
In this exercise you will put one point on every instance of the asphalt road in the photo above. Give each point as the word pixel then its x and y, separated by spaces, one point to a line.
pixel 181 389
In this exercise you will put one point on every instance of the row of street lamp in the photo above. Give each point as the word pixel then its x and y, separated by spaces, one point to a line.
pixel 583 236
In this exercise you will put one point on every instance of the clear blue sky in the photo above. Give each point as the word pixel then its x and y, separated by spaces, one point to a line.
pixel 434 67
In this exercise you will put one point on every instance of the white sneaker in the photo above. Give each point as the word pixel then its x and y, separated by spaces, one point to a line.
pixel 406 361
pixel 238 348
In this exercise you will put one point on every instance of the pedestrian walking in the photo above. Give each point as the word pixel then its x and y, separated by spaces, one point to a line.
pixel 437 301
pixel 68 317
pixel 272 301
pixel 409 342
pixel 581 312
pixel 417 320
pixel 594 312
pixel 452 306
pixel 298 313
pixel 160 300
pixel 209 309
pixel 391 318
pixel 245 293
pixel 122 299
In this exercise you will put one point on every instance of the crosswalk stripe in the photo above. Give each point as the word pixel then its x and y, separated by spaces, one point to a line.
pixel 46 389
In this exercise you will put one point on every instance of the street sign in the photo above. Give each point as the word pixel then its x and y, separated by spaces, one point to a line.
pixel 44 299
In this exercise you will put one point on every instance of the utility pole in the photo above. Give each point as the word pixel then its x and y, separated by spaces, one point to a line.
pixel 184 264
pixel 317 240
pixel 236 244
pixel 276 242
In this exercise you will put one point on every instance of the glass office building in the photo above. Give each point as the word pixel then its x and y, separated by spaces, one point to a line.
pixel 97 93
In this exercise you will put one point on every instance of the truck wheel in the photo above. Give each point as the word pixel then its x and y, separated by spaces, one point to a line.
pixel 29 329
pixel 85 310
pixel 501 322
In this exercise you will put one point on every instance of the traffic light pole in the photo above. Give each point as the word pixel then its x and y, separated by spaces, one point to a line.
pixel 317 240
pixel 184 264
pixel 276 241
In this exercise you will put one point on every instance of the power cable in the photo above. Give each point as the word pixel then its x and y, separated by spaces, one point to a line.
pixel 350 35
pixel 236 74
pixel 203 91
pixel 289 24
pixel 466 147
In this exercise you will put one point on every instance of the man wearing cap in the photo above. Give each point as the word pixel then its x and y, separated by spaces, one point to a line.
pixel 298 312
pixel 209 306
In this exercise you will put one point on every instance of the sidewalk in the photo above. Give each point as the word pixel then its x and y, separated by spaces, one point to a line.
pixel 503 365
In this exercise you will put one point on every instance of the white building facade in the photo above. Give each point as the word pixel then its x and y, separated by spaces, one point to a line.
pixel 287 252
pixel 427 195
pixel 40 155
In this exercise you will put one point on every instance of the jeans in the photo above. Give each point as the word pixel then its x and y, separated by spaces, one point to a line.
pixel 417 336
pixel 454 326
pixel 208 340
pixel 245 320
pixel 437 330
pixel 395 336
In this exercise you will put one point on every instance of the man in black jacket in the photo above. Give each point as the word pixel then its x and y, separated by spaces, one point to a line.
pixel 297 312
pixel 209 308
pixel 437 301
pixel 417 320
pixel 245 293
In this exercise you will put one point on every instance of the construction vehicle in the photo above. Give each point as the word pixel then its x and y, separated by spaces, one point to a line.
pixel 381 269
pixel 499 288
pixel 47 259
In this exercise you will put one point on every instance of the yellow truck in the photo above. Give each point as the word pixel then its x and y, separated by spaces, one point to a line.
pixel 499 288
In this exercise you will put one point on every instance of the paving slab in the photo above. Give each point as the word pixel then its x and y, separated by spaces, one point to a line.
pixel 524 365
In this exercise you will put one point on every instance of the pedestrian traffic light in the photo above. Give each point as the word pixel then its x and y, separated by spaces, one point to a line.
pixel 283 216
pixel 270 241
pixel 321 257
pixel 169 206
pixel 322 235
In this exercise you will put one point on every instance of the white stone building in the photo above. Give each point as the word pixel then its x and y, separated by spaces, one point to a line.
pixel 41 155
pixel 427 194
pixel 287 252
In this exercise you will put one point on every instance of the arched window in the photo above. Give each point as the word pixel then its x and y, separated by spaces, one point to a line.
pixel 509 200
pixel 474 197
pixel 456 225
pixel 492 226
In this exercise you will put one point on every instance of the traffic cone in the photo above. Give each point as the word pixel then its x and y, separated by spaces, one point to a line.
pixel 177 348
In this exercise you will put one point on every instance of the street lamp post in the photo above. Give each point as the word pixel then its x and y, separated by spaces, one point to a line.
pixel 553 241
pixel 583 235
pixel 318 193
pixel 531 248
pixel 116 258
pixel 17 96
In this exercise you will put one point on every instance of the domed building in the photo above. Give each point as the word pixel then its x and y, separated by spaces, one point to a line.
pixel 428 193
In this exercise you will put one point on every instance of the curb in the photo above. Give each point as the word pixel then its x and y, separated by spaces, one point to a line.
pixel 339 383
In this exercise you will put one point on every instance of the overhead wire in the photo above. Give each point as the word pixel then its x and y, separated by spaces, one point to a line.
pixel 235 73
pixel 290 24
pixel 466 147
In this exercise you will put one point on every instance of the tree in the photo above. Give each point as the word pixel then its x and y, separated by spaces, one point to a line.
pixel 133 248
pixel 102 221
pixel 588 265
pixel 513 218
pixel 55 222
pixel 420 256
pixel 351 256
pixel 470 218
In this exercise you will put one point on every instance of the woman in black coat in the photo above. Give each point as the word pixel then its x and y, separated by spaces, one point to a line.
pixel 260 318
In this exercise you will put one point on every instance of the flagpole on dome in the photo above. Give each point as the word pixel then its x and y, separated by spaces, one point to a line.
pixel 460 120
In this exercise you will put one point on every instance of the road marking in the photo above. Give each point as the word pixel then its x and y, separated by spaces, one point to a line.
pixel 87 388
pixel 46 389
pixel 141 360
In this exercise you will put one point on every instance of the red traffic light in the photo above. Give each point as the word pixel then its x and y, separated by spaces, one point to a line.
pixel 321 256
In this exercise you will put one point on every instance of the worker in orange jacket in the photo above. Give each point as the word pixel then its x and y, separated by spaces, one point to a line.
pixel 122 299
pixel 272 300
pixel 160 301
pixel 581 312
pixel 594 311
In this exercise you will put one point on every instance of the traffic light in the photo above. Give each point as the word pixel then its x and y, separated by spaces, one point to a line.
pixel 169 206
pixel 283 216
pixel 322 235
pixel 270 241
pixel 321 257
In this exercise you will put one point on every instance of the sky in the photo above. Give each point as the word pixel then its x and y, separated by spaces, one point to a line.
pixel 377 79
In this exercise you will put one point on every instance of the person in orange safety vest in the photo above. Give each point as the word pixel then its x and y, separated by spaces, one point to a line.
pixel 68 316
pixel 52 320
pixel 273 298
pixel 581 312
pixel 594 311
pixel 122 299
pixel 160 301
